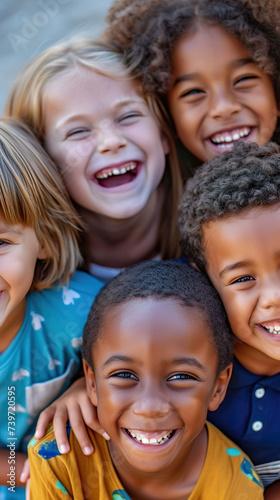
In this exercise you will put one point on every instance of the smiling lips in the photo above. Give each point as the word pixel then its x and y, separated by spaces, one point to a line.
pixel 271 327
pixel 226 139
pixel 151 438
pixel 116 176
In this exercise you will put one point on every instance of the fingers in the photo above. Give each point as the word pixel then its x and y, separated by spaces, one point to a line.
pixel 60 420
pixel 27 490
pixel 25 473
pixel 43 421
pixel 74 405
pixel 91 419
pixel 78 425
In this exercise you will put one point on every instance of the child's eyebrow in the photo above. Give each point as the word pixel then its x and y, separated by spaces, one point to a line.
pixel 238 63
pixel 242 62
pixel 117 357
pixel 129 100
pixel 190 361
pixel 236 265
pixel 9 229
pixel 183 360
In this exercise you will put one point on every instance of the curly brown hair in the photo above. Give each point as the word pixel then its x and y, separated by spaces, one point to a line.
pixel 146 32
pixel 248 176
pixel 265 11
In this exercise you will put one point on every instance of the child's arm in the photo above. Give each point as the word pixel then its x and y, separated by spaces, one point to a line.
pixel 74 405
pixel 272 492
pixel 7 468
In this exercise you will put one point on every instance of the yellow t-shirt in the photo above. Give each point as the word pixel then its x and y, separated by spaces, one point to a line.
pixel 227 473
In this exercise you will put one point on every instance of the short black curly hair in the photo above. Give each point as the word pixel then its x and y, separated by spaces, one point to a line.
pixel 246 177
pixel 162 280
pixel 146 31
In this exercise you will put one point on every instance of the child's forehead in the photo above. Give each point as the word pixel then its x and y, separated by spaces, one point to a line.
pixel 199 33
pixel 252 212
pixel 153 314
pixel 164 329
pixel 83 79
pixel 239 233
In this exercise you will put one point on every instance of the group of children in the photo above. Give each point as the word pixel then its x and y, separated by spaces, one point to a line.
pixel 157 345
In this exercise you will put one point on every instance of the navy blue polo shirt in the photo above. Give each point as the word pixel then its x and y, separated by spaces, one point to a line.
pixel 250 414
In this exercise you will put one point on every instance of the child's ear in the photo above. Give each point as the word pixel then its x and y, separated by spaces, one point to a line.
pixel 42 252
pixel 220 388
pixel 90 383
pixel 166 145
pixel 193 264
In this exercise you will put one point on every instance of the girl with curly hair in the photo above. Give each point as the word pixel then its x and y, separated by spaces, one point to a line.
pixel 213 65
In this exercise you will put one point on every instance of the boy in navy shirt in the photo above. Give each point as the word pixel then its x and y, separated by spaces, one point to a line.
pixel 230 228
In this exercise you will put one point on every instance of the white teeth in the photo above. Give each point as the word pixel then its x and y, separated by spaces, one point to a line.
pixel 117 171
pixel 152 441
pixel 275 330
pixel 231 138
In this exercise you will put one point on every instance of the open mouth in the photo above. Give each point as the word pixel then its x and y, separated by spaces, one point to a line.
pixel 225 140
pixel 117 176
pixel 273 328
pixel 155 438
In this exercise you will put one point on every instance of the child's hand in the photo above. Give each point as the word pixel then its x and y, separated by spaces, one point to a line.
pixel 25 473
pixel 74 405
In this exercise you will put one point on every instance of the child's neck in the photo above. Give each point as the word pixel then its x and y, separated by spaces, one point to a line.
pixel 12 325
pixel 173 483
pixel 256 361
pixel 120 243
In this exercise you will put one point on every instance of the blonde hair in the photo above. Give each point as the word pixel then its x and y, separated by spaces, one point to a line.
pixel 25 101
pixel 32 193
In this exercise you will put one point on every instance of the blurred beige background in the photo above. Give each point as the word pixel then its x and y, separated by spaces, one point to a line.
pixel 29 26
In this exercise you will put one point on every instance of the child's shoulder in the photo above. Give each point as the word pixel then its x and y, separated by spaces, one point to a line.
pixel 226 470
pixel 81 285
pixel 85 282
pixel 69 474
pixel 52 306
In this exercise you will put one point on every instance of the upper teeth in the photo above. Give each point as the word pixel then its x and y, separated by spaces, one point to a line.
pixel 275 330
pixel 154 441
pixel 117 171
pixel 235 136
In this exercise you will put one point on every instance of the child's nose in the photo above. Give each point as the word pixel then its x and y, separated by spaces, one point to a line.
pixel 110 140
pixel 223 104
pixel 270 296
pixel 151 404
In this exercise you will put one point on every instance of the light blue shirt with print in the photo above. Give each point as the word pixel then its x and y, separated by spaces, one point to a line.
pixel 42 360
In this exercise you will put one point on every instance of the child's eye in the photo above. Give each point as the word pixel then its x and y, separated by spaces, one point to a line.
pixel 243 279
pixel 4 242
pixel 124 375
pixel 246 78
pixel 192 92
pixel 77 132
pixel 182 376
pixel 127 116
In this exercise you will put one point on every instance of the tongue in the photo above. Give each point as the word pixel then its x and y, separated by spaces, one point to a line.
pixel 116 180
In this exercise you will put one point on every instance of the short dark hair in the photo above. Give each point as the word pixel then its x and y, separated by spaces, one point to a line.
pixel 246 177
pixel 162 280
